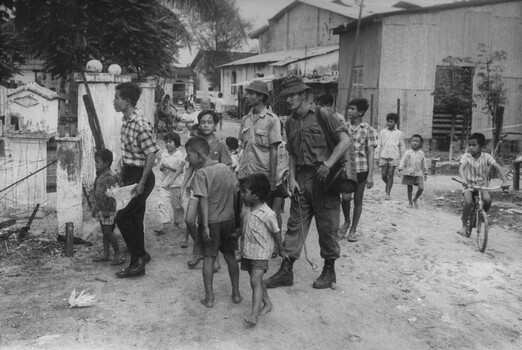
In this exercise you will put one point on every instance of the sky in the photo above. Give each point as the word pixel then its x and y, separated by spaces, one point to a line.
pixel 259 11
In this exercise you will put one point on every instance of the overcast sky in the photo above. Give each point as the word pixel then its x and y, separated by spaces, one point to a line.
pixel 261 10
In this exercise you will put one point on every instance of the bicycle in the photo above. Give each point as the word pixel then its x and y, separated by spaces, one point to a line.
pixel 477 218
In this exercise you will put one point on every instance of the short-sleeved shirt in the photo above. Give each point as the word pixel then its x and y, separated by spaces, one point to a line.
pixel 219 151
pixel 258 133
pixel 413 163
pixel 174 161
pixel 102 183
pixel 476 170
pixel 364 137
pixel 216 182
pixel 306 141
pixel 391 144
pixel 258 227
pixel 137 140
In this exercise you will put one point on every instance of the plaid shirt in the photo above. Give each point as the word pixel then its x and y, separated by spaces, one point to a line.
pixel 102 202
pixel 364 137
pixel 137 140
pixel 258 227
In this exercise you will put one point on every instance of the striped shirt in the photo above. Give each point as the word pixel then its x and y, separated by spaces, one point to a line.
pixel 364 137
pixel 137 140
pixel 258 227
pixel 391 144
pixel 413 163
pixel 476 169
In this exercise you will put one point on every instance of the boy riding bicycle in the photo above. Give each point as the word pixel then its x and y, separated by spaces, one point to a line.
pixel 474 170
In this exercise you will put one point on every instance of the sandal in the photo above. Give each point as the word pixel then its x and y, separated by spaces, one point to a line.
pixel 352 238
pixel 184 243
pixel 118 261
pixel 160 232
pixel 192 264
pixel 100 259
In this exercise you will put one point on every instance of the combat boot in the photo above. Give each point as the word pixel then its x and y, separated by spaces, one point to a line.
pixel 283 277
pixel 327 276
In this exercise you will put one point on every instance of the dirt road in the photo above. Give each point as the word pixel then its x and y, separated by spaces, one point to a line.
pixel 410 282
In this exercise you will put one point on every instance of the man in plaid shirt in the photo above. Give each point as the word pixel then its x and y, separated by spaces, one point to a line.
pixel 365 141
pixel 138 146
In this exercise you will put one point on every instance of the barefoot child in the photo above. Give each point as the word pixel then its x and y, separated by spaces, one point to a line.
pixel 474 170
pixel 172 167
pixel 105 207
pixel 390 149
pixel 259 231
pixel 213 188
pixel 414 170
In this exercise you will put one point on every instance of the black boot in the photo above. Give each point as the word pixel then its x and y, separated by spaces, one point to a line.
pixel 283 277
pixel 327 276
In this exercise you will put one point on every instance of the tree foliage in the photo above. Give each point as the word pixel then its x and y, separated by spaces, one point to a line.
pixel 141 35
pixel 219 34
pixel 11 44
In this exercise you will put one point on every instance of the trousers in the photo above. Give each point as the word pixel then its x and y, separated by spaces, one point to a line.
pixel 130 219
pixel 325 207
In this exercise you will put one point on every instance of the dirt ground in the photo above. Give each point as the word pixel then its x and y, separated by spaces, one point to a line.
pixel 410 282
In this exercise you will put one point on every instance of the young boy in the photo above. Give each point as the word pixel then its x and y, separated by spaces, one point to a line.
pixel 105 207
pixel 259 231
pixel 474 169
pixel 365 141
pixel 172 167
pixel 390 149
pixel 414 170
pixel 213 192
pixel 233 145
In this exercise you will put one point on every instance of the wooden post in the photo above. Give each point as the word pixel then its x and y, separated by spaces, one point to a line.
pixel 399 113
pixel 69 239
pixel 371 110
pixel 516 176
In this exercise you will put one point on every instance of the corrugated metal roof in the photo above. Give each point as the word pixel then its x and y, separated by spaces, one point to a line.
pixel 281 58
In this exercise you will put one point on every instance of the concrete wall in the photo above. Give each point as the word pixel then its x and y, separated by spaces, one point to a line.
pixel 302 25
pixel 36 108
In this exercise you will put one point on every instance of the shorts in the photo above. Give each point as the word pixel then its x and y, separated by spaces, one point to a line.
pixel 109 220
pixel 412 180
pixel 280 191
pixel 389 161
pixel 222 238
pixel 249 265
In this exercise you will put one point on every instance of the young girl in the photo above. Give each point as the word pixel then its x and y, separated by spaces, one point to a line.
pixel 413 169
pixel 260 231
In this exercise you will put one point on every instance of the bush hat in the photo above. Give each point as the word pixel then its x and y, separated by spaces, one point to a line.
pixel 293 85
pixel 258 86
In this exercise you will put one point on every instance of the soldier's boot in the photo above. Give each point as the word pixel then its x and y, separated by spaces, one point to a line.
pixel 327 277
pixel 283 277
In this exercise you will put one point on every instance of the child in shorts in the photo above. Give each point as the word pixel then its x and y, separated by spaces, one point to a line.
pixel 105 207
pixel 213 194
pixel 414 170
pixel 259 231
pixel 390 149
pixel 474 171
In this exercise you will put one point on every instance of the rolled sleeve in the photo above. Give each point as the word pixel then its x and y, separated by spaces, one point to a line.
pixel 274 132
pixel 199 187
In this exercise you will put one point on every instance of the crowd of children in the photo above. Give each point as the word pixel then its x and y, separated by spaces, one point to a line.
pixel 205 175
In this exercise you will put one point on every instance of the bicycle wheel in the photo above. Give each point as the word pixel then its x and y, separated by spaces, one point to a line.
pixel 482 231
pixel 472 219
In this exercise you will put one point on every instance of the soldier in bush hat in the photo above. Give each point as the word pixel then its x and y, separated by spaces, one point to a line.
pixel 260 135
pixel 310 161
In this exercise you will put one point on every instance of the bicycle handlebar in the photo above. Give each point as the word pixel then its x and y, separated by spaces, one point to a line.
pixel 478 187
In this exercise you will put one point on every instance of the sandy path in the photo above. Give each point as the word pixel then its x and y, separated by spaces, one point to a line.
pixel 409 283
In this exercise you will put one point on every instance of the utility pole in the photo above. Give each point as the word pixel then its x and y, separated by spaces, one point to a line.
pixel 354 57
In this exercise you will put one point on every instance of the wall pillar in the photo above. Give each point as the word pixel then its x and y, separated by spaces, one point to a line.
pixel 69 183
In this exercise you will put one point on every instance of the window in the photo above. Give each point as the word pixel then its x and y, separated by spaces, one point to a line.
pixel 234 81
pixel 357 84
